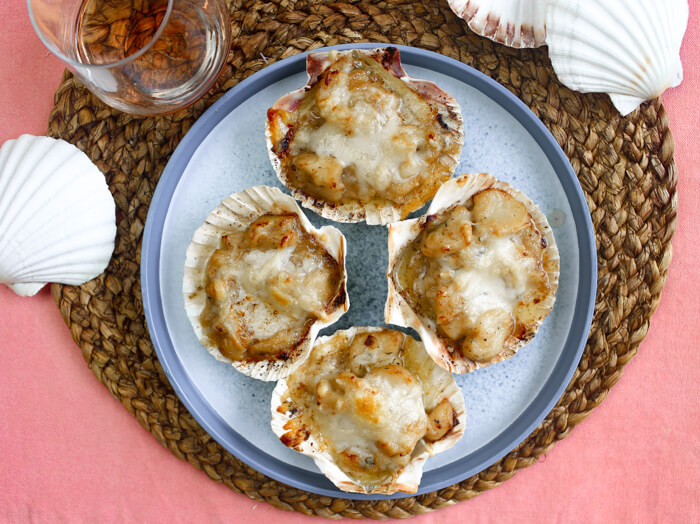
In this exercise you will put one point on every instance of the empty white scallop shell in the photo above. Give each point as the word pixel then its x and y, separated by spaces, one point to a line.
pixel 437 385
pixel 57 219
pixel 629 49
pixel 236 212
pixel 399 312
pixel 515 23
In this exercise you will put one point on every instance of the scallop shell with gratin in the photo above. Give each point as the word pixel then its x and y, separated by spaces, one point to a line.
pixel 476 275
pixel 260 282
pixel 57 216
pixel 629 49
pixel 369 406
pixel 515 23
pixel 363 141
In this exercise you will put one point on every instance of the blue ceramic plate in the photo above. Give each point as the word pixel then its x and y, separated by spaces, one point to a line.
pixel 225 152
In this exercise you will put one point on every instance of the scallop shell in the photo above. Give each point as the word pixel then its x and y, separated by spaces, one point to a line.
pixel 57 218
pixel 316 64
pixel 437 385
pixel 397 311
pixel 629 49
pixel 234 213
pixel 515 23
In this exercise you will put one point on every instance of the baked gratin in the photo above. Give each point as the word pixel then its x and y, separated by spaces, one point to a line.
pixel 476 276
pixel 362 140
pixel 369 406
pixel 260 282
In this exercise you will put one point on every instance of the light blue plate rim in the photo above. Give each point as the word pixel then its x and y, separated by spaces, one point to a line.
pixel 449 474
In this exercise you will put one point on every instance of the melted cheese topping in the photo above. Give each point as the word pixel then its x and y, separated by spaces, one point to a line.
pixel 478 273
pixel 495 277
pixel 376 140
pixel 362 135
pixel 381 413
pixel 365 407
pixel 265 286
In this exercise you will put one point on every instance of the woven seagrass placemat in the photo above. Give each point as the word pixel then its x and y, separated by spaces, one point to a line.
pixel 625 166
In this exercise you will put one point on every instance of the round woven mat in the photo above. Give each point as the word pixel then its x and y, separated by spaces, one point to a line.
pixel 625 166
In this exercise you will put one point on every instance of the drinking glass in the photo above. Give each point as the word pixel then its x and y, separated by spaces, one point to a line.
pixel 145 57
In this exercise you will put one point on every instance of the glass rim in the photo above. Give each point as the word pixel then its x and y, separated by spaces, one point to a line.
pixel 109 65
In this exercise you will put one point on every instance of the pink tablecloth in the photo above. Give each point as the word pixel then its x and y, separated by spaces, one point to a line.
pixel 70 452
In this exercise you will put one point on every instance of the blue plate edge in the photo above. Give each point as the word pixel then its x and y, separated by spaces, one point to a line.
pixel 451 473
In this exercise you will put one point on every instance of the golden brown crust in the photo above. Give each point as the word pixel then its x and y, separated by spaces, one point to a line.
pixel 279 300
pixel 450 248
pixel 229 293
pixel 364 395
pixel 362 141
pixel 476 276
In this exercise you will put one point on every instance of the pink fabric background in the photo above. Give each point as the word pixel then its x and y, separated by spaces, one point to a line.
pixel 69 452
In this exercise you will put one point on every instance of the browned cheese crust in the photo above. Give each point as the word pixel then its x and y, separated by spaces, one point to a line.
pixel 479 272
pixel 362 398
pixel 265 287
pixel 362 137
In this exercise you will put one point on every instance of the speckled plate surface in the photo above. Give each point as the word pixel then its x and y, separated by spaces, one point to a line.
pixel 225 152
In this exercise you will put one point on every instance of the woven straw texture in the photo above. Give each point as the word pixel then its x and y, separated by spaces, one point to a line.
pixel 625 166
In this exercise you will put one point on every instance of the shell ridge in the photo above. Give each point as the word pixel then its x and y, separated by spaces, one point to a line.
pixel 83 232
pixel 206 235
pixel 44 268
pixel 32 194
pixel 69 265
pixel 57 215
pixel 610 63
pixel 397 309
pixel 7 274
pixel 16 179
pixel 649 40
pixel 591 83
pixel 637 42
pixel 516 23
pixel 629 50
pixel 234 213
pixel 5 150
pixel 405 479
pixel 35 228
pixel 353 211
